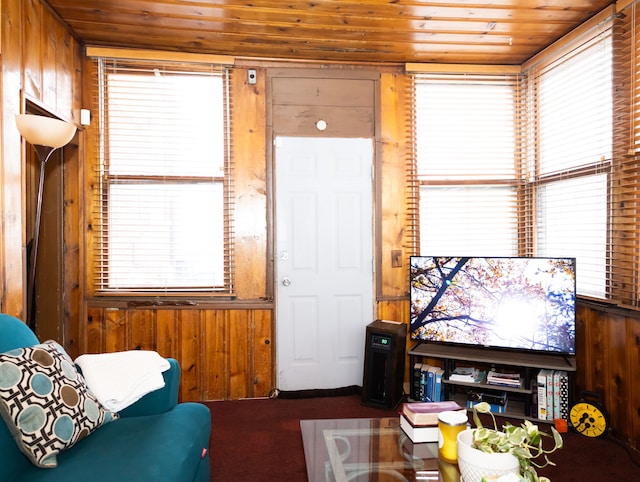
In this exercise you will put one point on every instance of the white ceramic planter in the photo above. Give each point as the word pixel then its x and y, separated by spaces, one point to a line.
pixel 475 464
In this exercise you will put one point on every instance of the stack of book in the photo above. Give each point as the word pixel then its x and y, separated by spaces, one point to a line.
pixel 419 420
pixel 467 374
pixel 428 383
pixel 552 399
pixel 504 379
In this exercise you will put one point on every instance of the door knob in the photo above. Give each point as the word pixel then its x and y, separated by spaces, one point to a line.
pixel 286 281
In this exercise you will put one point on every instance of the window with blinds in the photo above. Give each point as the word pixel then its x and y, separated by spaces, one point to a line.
pixel 624 243
pixel 521 164
pixel 161 220
pixel 570 158
pixel 467 163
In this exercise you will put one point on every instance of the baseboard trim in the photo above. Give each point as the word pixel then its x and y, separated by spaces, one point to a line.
pixel 321 392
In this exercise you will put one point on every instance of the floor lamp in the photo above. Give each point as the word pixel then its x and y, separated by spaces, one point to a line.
pixel 46 135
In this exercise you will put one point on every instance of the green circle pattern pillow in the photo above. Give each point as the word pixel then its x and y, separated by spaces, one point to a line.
pixel 46 403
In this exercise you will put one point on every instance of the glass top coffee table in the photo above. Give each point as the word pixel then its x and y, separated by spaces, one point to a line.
pixel 369 449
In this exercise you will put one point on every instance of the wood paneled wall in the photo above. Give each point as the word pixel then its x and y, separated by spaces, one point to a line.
pixel 41 64
pixel 608 362
pixel 223 353
pixel 226 347
pixel 226 350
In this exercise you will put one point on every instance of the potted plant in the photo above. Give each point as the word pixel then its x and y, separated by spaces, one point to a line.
pixel 523 443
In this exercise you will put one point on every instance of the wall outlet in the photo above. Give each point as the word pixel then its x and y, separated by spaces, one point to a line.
pixel 396 258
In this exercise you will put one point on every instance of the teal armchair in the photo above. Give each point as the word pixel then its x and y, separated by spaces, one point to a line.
pixel 155 439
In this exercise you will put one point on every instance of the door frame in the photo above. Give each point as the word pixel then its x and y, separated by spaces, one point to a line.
pixel 308 115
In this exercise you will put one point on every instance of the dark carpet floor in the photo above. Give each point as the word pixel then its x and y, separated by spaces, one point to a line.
pixel 259 440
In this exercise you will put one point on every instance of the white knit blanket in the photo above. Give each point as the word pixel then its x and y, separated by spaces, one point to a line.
pixel 120 379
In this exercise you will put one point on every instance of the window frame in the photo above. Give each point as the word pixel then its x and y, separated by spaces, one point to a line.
pixel 509 180
pixel 101 180
pixel 529 179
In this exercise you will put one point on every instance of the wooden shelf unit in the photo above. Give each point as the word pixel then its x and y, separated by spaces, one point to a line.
pixel 528 362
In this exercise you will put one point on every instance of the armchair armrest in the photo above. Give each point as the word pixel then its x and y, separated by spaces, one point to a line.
pixel 161 400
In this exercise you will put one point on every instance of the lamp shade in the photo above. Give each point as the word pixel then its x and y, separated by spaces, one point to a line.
pixel 45 131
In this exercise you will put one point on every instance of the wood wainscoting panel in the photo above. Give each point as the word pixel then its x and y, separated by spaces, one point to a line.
pixel 191 347
pixel 607 360
pixel 617 369
pixel 223 354
pixel 633 409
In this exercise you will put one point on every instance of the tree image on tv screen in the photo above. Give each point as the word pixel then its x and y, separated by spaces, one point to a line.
pixel 526 303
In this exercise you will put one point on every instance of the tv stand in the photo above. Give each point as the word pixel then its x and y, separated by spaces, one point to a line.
pixel 528 363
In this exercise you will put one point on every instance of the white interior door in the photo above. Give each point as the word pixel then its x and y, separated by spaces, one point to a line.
pixel 324 242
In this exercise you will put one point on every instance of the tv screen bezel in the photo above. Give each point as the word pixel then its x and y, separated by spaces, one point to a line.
pixel 573 261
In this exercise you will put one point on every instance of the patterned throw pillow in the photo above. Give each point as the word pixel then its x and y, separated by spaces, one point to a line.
pixel 46 403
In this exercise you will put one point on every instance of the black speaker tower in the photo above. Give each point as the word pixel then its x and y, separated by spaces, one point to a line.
pixel 384 364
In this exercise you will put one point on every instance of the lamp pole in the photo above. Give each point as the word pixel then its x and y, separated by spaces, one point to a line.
pixel 44 153
pixel 45 134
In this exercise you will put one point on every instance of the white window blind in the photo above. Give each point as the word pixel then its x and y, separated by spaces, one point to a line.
pixel 570 158
pixel 467 163
pixel 624 243
pixel 161 198
pixel 522 164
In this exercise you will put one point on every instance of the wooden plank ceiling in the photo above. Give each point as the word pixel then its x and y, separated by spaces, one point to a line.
pixel 395 31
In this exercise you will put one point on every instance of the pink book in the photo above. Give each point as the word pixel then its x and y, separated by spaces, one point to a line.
pixel 426 413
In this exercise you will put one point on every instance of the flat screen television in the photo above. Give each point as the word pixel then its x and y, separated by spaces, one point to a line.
pixel 518 303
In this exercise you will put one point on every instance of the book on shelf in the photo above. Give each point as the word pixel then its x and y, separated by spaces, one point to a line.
pixel 533 387
pixel 548 395
pixel 415 389
pixel 438 392
pixel 426 413
pixel 419 433
pixel 556 394
pixel 542 393
pixel 431 384
pixel 427 383
pixel 505 379
pixel 552 394
pixel 549 386
pixel 424 370
pixel 564 395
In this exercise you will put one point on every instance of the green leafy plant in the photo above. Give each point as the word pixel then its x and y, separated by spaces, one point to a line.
pixel 524 443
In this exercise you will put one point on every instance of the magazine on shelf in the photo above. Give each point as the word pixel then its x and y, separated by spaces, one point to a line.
pixel 464 374
pixel 506 379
